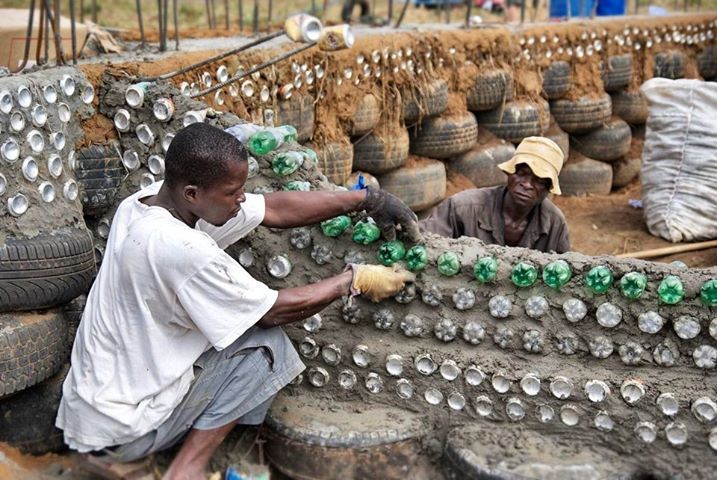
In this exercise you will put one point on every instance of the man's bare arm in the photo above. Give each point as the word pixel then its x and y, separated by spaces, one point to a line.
pixel 298 209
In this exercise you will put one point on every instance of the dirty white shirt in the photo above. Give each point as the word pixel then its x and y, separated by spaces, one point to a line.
pixel 165 294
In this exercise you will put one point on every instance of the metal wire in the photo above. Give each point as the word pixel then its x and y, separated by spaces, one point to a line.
pixel 252 70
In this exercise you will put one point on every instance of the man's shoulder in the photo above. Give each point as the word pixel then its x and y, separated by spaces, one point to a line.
pixel 552 212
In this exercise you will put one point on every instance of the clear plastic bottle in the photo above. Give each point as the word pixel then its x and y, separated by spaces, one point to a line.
pixel 243 131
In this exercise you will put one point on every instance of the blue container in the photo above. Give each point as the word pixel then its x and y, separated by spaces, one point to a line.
pixel 611 7
pixel 578 8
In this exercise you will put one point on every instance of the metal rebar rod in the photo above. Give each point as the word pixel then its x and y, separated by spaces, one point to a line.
pixel 94 11
pixel 253 43
pixel 82 11
pixel 402 14
pixel 469 7
pixel 59 57
pixel 226 14
pixel 141 23
pixel 214 13
pixel 40 35
pixel 324 7
pixel 268 20
pixel 165 22
pixel 28 40
pixel 255 69
pixel 159 25
pixel 73 30
pixel 390 11
pixel 522 11
pixel 313 7
pixel 176 24
pixel 209 16
pixel 255 17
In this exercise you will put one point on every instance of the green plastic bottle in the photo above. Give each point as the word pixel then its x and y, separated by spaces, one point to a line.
pixel 449 264
pixel 557 273
pixel 391 252
pixel 708 293
pixel 485 269
pixel 523 274
pixel 599 279
pixel 298 186
pixel 416 258
pixel 671 291
pixel 366 232
pixel 633 284
pixel 286 163
pixel 334 227
pixel 270 139
pixel 311 155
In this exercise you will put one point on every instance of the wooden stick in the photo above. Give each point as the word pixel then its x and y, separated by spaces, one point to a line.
pixel 661 252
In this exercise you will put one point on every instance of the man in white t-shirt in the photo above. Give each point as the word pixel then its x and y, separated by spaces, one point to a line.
pixel 177 341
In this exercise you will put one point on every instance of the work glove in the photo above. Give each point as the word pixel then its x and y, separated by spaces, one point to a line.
pixel 387 210
pixel 378 282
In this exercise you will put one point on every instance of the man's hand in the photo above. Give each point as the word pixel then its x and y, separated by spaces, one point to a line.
pixel 378 282
pixel 387 210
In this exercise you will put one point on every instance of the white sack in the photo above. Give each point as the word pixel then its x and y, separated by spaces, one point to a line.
pixel 679 160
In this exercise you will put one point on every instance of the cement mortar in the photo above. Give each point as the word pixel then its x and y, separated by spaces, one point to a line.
pixel 41 216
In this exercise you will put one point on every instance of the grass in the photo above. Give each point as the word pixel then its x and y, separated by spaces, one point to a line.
pixel 193 13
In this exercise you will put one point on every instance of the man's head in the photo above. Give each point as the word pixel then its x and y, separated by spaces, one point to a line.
pixel 206 168
pixel 533 171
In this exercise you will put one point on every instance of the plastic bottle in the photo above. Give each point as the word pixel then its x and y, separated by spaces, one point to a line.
pixel 269 139
pixel 485 269
pixel 599 279
pixel 298 186
pixel 311 155
pixel 523 274
pixel 708 293
pixel 448 264
pixel 416 258
pixel 334 227
pixel 391 252
pixel 671 291
pixel 242 131
pixel 366 232
pixel 557 273
pixel 286 163
pixel 632 285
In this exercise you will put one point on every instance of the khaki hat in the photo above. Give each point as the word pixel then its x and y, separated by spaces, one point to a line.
pixel 542 155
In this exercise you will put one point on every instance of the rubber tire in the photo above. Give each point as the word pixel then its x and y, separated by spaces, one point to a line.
pixel 299 112
pixel 583 176
pixel 631 107
pixel 583 114
pixel 368 113
pixel 430 100
pixel 707 63
pixel 445 136
pixel 480 164
pixel 556 134
pixel 378 153
pixel 73 314
pixel 607 143
pixel 557 80
pixel 307 439
pixel 45 271
pixel 514 121
pixel 335 159
pixel 32 348
pixel 27 419
pixel 99 173
pixel 490 89
pixel 625 170
pixel 618 73
pixel 419 186
pixel 669 64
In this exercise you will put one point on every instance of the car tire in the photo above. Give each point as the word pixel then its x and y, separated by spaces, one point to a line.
pixel 420 184
pixel 625 170
pixel 618 72
pixel 99 172
pixel 707 63
pixel 630 106
pixel 297 111
pixel 335 158
pixel 585 176
pixel 366 117
pixel 445 136
pixel 669 64
pixel 607 143
pixel 480 163
pixel 425 102
pixel 514 121
pixel 490 89
pixel 583 114
pixel 560 137
pixel 380 152
pixel 556 80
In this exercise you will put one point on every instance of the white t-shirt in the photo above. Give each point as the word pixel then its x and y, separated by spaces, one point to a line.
pixel 165 294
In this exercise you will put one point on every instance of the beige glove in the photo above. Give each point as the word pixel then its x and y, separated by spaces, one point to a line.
pixel 378 282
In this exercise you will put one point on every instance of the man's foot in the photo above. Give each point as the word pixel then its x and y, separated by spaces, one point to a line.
pixel 139 470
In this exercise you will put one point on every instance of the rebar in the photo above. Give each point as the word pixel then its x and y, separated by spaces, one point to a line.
pixel 141 23
pixel 160 17
pixel 94 11
pixel 255 17
pixel 469 8
pixel 269 14
pixel 226 14
pixel 254 69
pixel 241 15
pixel 176 24
pixel 73 30
pixel 402 14
pixel 28 39
pixel 390 11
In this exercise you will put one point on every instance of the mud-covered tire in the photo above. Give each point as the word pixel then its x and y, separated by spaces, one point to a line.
pixel 445 136
pixel 625 170
pixel 73 314
pixel 99 172
pixel 335 159
pixel 366 117
pixel 32 348
pixel 556 80
pixel 420 184
pixel 670 64
pixel 27 419
pixel 583 114
pixel 306 439
pixel 707 63
pixel 380 152
pixel 607 143
pixel 560 137
pixel 584 176
pixel 630 106
pixel 617 73
pixel 490 89
pixel 514 121
pixel 425 102
pixel 45 271
pixel 480 163
pixel 299 112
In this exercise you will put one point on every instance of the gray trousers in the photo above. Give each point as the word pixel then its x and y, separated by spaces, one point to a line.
pixel 235 385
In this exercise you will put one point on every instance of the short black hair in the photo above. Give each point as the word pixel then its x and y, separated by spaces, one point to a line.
pixel 199 155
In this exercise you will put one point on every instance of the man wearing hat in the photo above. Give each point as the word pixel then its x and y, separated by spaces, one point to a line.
pixel 518 214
